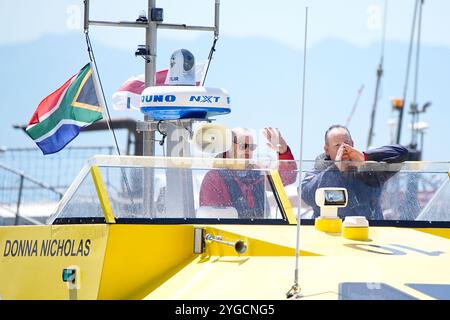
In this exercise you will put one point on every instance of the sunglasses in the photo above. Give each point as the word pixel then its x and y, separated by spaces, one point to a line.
pixel 243 146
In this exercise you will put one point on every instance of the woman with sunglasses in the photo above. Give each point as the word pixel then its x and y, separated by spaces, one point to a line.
pixel 245 189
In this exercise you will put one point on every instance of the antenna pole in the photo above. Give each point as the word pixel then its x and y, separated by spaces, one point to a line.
pixel 414 104
pixel 405 90
pixel 216 18
pixel 295 290
pixel 86 16
pixel 379 75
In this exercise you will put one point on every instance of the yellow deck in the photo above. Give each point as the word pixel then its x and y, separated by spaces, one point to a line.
pixel 157 262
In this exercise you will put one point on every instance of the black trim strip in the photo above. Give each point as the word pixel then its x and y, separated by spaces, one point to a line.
pixel 396 223
pixel 305 222
pixel 409 224
pixel 201 221
pixel 170 221
pixel 80 220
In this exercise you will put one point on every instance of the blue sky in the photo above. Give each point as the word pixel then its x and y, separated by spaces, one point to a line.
pixel 258 60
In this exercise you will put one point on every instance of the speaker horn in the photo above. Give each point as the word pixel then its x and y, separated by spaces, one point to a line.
pixel 212 138
pixel 239 246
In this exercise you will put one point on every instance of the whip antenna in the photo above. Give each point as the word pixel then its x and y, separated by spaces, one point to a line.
pixel 380 72
pixel 295 290
pixel 408 65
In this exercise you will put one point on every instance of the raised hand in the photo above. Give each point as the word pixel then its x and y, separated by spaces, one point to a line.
pixel 274 139
pixel 347 153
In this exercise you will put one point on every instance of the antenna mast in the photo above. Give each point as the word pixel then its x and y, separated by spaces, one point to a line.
pixel 379 75
pixel 414 107
pixel 152 22
pixel 405 90
pixel 295 289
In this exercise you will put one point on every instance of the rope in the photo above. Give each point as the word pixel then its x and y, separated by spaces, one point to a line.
pixel 210 56
pixel 164 135
pixel 108 120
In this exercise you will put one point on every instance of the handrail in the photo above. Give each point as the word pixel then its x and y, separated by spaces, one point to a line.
pixel 21 174
pixel 25 178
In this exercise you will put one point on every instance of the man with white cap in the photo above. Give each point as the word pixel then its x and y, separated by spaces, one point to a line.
pixel 245 189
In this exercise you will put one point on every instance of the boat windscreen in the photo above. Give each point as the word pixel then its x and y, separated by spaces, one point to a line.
pixel 409 191
pixel 180 193
pixel 140 188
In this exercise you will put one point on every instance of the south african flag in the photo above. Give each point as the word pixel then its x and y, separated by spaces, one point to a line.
pixel 60 116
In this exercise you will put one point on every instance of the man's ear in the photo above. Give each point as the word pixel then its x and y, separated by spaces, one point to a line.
pixel 325 148
pixel 353 143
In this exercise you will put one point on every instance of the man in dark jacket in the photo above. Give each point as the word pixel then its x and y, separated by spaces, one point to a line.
pixel 338 167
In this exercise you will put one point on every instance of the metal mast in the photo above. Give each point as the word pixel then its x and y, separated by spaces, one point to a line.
pixel 152 22
pixel 379 75
pixel 150 71
pixel 405 90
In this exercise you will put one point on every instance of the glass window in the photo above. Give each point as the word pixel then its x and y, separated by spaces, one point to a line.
pixel 409 191
pixel 190 193
pixel 160 189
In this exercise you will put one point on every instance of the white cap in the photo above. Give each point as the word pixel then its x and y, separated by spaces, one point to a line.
pixel 182 69
pixel 355 221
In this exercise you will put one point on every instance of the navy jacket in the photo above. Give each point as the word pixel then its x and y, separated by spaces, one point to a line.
pixel 363 187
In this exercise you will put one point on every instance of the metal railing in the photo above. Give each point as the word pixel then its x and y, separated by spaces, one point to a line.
pixel 24 200
pixel 31 184
pixel 55 170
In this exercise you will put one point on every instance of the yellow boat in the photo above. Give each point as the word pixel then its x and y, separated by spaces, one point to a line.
pixel 100 244
pixel 134 228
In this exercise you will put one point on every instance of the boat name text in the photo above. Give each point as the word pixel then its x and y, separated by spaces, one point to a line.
pixel 47 248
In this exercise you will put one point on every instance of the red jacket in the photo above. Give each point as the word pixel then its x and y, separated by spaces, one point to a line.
pixel 215 192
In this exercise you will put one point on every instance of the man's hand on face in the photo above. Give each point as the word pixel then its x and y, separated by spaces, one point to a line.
pixel 354 154
pixel 347 153
pixel 340 157
pixel 274 140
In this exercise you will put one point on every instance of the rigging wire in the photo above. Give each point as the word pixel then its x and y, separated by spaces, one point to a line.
pixel 210 56
pixel 355 105
pixel 108 120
